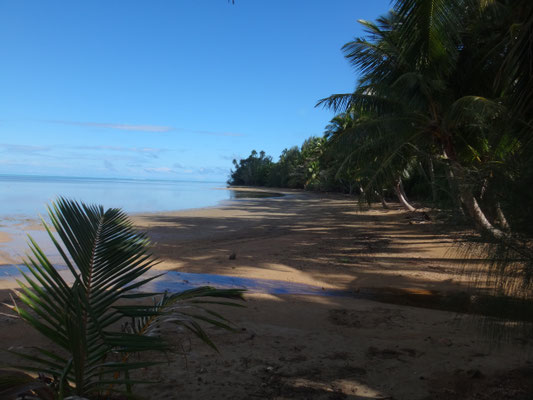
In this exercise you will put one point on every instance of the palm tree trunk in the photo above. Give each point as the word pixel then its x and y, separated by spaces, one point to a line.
pixel 384 204
pixel 479 217
pixel 482 222
pixel 502 221
pixel 403 191
pixel 453 184
pixel 401 196
pixel 483 188
pixel 472 206
pixel 432 180
pixel 454 190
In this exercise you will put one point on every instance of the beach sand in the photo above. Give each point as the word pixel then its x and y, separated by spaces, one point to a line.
pixel 324 347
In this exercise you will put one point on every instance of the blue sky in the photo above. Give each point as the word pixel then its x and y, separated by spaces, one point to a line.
pixel 167 89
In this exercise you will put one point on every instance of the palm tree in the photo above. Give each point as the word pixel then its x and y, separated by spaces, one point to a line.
pixel 377 130
pixel 108 260
pixel 411 63
pixel 450 81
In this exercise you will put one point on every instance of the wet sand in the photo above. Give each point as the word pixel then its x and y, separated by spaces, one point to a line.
pixel 317 346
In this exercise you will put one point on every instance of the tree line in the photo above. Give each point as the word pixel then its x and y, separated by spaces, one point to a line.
pixel 442 112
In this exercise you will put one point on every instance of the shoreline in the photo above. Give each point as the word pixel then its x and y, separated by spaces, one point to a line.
pixel 200 240
pixel 15 227
pixel 315 346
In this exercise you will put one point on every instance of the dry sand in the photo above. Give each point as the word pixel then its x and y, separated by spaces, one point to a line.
pixel 324 347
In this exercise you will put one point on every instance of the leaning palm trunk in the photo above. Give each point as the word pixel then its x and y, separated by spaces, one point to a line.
pixel 384 203
pixel 479 217
pixel 471 204
pixel 432 180
pixel 483 224
pixel 502 221
pixel 454 190
pixel 398 188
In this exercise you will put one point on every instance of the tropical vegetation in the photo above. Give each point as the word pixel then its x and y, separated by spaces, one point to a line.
pixel 98 318
pixel 442 112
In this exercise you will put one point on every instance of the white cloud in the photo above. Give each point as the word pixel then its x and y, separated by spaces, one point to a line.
pixel 142 128
pixel 22 148
pixel 147 151
pixel 213 133
pixel 118 126
pixel 165 170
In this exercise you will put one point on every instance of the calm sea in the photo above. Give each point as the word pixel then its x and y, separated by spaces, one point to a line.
pixel 28 195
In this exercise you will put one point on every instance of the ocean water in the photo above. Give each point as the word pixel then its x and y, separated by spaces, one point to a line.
pixel 23 201
pixel 28 195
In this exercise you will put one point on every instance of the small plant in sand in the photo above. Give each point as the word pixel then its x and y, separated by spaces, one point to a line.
pixel 99 320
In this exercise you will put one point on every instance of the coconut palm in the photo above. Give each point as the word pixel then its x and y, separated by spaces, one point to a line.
pixel 424 100
pixel 450 81
pixel 107 260
pixel 378 132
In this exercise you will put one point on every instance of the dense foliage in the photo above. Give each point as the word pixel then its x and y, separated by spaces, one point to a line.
pixel 299 168
pixel 443 110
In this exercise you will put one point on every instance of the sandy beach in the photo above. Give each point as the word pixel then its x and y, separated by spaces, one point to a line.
pixel 373 342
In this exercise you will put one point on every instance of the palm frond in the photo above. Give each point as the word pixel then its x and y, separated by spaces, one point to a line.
pixel 183 309
pixel 107 259
pixel 430 28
